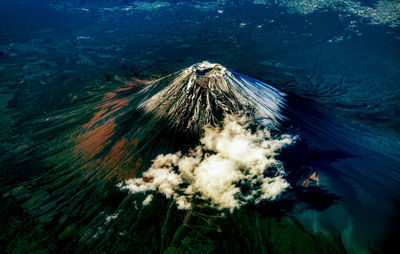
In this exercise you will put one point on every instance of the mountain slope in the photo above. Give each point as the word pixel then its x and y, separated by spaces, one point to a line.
pixel 89 148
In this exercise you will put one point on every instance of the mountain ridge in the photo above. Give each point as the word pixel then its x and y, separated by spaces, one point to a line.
pixel 203 93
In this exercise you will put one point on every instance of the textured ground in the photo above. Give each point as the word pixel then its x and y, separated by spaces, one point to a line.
pixel 343 55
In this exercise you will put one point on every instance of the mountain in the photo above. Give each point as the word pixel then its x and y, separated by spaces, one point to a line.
pixel 197 150
pixel 204 93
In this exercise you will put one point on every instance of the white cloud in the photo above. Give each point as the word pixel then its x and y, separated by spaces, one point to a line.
pixel 227 157
pixel 112 217
pixel 147 200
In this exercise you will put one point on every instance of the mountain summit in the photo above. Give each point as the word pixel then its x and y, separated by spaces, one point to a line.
pixel 205 92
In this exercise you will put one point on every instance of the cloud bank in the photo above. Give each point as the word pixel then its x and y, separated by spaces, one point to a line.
pixel 229 158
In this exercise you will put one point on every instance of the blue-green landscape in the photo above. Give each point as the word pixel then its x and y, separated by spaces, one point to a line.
pixel 179 126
